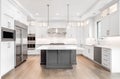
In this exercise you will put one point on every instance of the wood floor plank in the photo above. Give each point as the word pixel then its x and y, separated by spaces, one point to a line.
pixel 85 69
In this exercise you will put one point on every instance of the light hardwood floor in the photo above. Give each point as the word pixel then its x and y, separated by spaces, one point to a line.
pixel 85 69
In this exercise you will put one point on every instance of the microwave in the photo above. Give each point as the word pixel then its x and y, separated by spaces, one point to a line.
pixel 7 34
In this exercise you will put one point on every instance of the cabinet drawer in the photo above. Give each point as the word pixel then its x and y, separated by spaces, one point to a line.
pixel 106 60
pixel 106 57
pixel 106 65
pixel 107 50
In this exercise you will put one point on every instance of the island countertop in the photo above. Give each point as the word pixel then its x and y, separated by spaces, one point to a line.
pixel 59 47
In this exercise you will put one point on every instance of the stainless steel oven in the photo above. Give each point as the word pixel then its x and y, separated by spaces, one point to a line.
pixel 7 34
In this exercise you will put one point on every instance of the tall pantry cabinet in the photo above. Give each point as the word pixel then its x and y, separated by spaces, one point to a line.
pixel 9 12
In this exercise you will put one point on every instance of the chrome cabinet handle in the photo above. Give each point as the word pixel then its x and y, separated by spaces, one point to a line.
pixel 9 24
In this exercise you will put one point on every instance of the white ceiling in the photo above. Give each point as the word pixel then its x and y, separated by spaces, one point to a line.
pixel 58 8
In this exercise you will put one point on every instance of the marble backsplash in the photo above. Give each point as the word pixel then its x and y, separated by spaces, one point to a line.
pixel 110 41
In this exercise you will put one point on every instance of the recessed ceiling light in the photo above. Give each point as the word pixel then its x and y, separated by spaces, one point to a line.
pixel 36 14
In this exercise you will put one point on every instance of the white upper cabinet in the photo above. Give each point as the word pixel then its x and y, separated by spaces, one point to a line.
pixel 7 21
pixel 10 12
pixel 110 22
pixel 114 24
pixel 110 25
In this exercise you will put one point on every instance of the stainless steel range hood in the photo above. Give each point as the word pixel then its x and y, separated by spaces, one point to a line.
pixel 57 32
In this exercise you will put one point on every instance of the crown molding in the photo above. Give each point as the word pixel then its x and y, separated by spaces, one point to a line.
pixel 21 8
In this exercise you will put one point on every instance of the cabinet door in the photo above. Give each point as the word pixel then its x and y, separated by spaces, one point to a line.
pixel 11 49
pixel 7 21
pixel 7 57
pixel 114 24
pixel 52 57
pixel 89 52
pixel 64 57
pixel 43 57
pixel 73 56
pixel 4 56
pixel 105 26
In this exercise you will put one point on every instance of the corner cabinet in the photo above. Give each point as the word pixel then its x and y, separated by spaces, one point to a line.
pixel 110 25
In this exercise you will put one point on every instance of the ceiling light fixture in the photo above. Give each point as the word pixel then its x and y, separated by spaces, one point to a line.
pixel 48 14
pixel 68 14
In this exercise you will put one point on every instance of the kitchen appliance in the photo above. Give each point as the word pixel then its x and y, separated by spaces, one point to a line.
pixel 98 54
pixel 7 34
pixel 21 42
pixel 31 41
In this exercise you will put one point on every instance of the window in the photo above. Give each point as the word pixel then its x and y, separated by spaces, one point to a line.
pixel 99 29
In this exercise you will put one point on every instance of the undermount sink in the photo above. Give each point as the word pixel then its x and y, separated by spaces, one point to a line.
pixel 57 44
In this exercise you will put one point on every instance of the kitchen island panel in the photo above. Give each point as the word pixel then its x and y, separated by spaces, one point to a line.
pixel 58 59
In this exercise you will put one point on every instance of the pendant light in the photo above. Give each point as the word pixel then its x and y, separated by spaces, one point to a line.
pixel 68 15
pixel 48 22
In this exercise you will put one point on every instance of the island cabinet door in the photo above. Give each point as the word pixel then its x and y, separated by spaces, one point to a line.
pixel 73 57
pixel 64 57
pixel 52 57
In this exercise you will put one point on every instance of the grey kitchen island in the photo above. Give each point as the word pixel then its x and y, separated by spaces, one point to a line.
pixel 58 56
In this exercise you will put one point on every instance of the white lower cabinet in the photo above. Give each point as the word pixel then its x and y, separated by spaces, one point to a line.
pixel 89 52
pixel 106 57
pixel 7 57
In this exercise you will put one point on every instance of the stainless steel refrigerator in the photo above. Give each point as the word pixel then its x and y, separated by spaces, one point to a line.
pixel 21 42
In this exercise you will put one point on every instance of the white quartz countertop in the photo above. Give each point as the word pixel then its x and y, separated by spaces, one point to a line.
pixel 59 47
pixel 43 41
pixel 106 46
